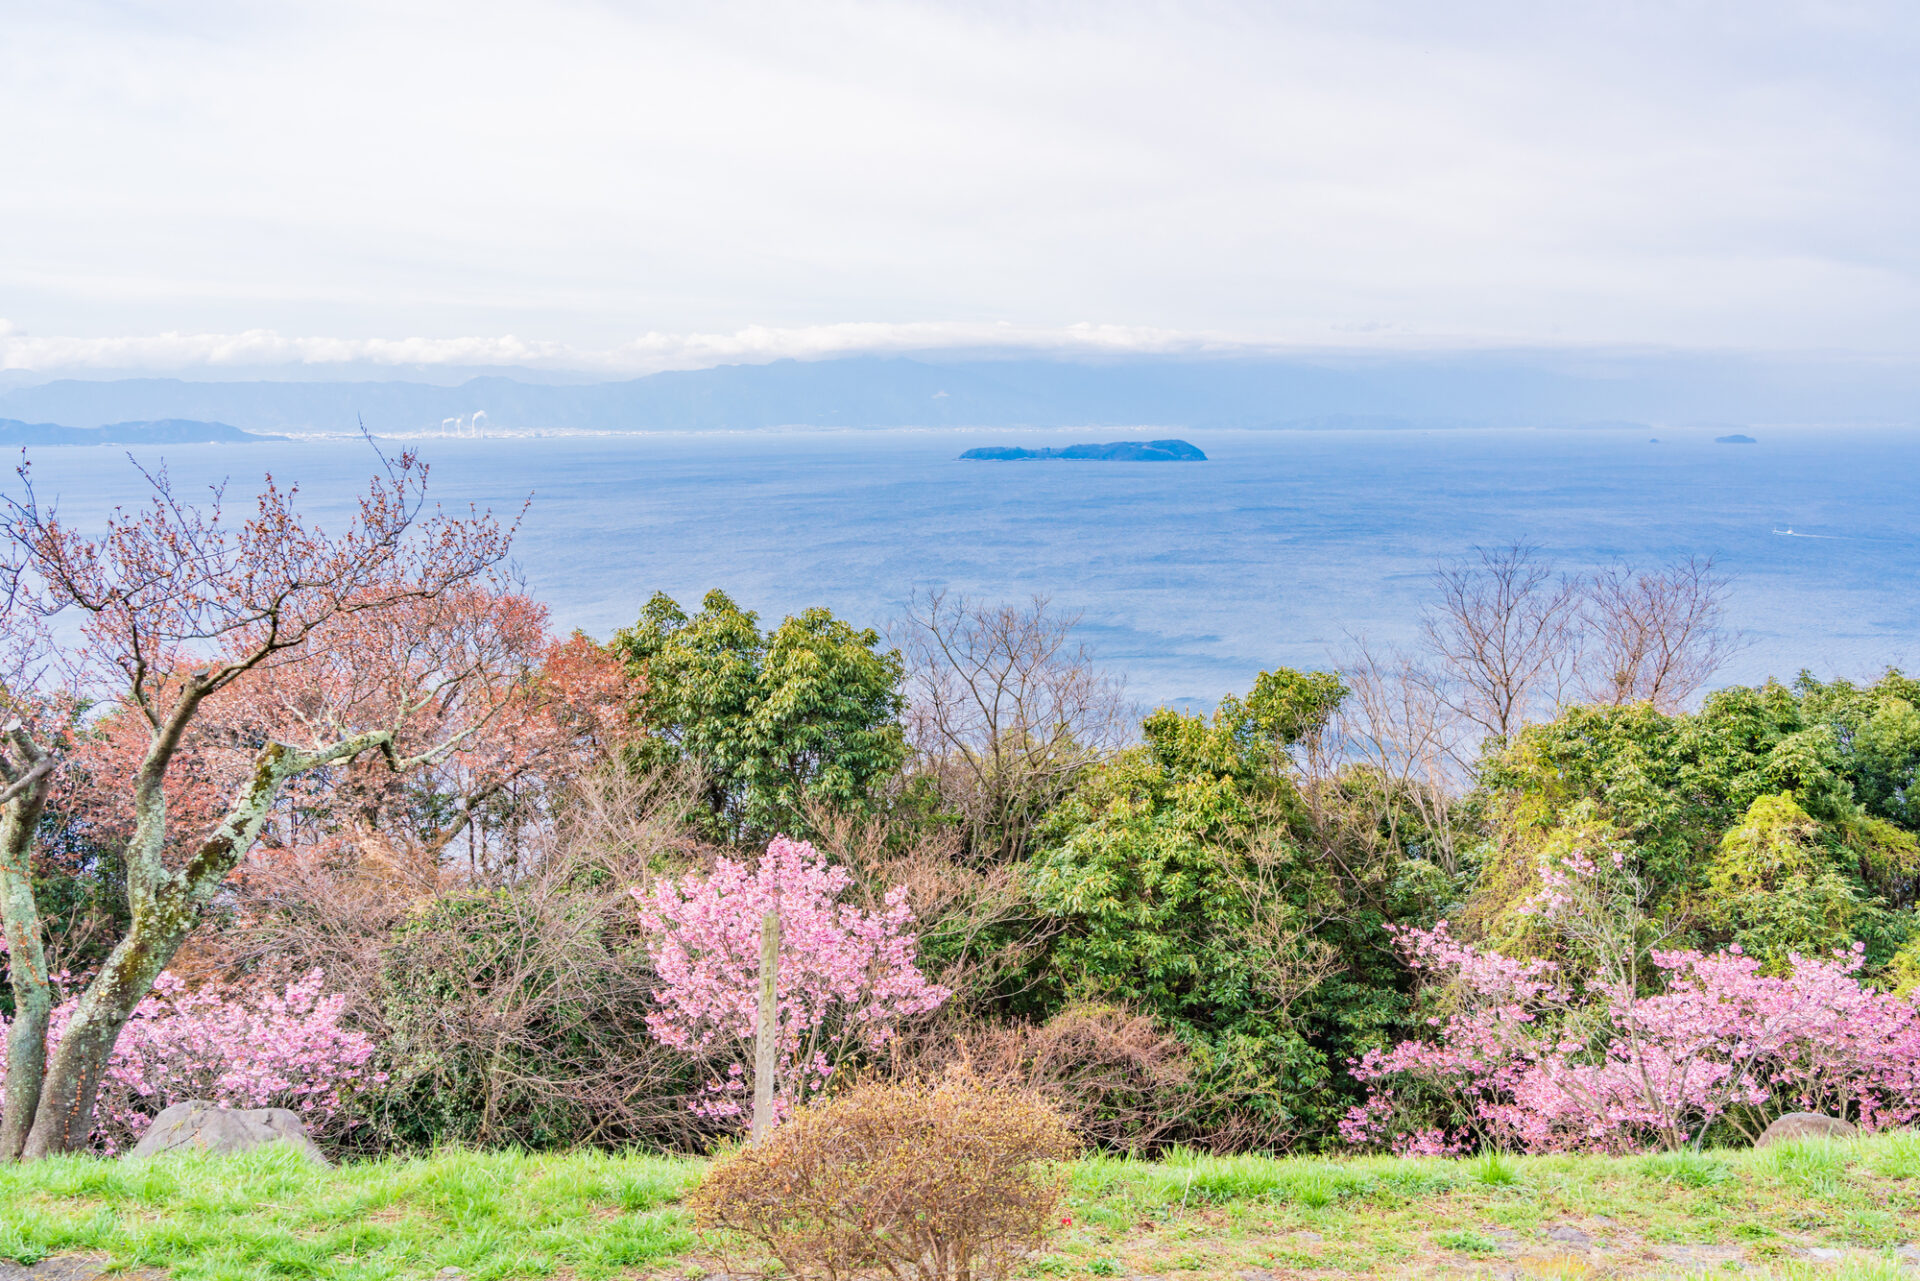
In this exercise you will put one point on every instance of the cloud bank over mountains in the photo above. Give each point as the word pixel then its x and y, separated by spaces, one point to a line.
pixel 190 354
pixel 1399 390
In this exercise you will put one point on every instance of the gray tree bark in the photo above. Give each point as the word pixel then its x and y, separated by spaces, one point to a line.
pixel 766 1036
pixel 26 956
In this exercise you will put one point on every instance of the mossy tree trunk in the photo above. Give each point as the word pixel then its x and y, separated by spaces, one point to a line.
pixel 28 780
pixel 164 908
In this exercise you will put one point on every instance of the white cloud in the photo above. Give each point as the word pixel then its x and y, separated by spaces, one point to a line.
pixel 650 353
pixel 747 178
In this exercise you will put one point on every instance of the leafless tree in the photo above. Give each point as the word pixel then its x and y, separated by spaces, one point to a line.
pixel 1655 637
pixel 1504 636
pixel 1006 708
pixel 1409 744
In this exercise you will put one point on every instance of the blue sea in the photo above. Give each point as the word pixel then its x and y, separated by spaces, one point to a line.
pixel 1189 577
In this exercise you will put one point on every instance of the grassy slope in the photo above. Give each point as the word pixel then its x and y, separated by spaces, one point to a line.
pixel 498 1215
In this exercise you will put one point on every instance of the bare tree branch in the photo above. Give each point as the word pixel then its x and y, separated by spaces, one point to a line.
pixel 1005 709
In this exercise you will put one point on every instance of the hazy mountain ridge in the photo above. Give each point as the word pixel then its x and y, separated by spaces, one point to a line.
pixel 1429 391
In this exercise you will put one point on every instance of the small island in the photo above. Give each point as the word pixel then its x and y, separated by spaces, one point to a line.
pixel 1735 439
pixel 1121 451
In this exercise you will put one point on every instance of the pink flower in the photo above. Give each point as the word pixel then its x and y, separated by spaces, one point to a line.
pixel 848 976
pixel 236 1048
pixel 1523 1062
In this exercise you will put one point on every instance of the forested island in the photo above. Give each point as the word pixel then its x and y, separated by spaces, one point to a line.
pixel 1127 451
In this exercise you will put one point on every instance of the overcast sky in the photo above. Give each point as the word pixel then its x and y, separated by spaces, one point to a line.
pixel 633 186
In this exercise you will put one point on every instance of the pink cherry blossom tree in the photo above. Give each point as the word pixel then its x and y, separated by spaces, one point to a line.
pixel 1633 1055
pixel 238 1048
pixel 1522 1062
pixel 848 976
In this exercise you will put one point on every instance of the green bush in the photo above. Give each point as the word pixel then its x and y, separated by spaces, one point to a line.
pixel 1193 880
pixel 517 1016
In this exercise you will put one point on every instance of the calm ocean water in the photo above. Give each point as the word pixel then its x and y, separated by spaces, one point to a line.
pixel 1190 577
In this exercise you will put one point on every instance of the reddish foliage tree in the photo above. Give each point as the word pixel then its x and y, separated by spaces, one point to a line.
pixel 518 714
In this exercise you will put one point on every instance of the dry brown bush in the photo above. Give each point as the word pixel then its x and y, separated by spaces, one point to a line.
pixel 953 1179
pixel 1119 1080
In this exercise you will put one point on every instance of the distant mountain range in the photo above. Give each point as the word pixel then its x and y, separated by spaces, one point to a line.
pixel 1532 388
pixel 163 431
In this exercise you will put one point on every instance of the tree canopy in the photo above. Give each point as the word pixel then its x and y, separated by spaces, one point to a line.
pixel 805 715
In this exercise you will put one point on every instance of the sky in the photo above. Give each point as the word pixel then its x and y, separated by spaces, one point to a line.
pixel 618 188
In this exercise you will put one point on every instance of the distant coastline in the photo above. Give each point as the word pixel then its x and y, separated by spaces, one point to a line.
pixel 1124 451
pixel 164 431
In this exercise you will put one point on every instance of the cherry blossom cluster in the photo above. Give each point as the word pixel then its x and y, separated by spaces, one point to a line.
pixel 268 1048
pixel 1522 1062
pixel 848 976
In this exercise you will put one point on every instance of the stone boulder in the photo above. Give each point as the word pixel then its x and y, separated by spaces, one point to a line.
pixel 1804 1125
pixel 207 1127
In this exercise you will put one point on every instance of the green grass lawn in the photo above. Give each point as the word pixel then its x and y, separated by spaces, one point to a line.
pixel 1815 1209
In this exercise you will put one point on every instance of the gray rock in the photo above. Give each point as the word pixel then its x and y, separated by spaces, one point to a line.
pixel 208 1127
pixel 1804 1125
pixel 1567 1234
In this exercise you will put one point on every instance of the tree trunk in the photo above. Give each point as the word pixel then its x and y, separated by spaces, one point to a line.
pixel 26 966
pixel 165 908
pixel 64 1119
pixel 766 1033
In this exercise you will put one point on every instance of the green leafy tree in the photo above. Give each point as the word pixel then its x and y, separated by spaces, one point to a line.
pixel 1776 816
pixel 777 722
pixel 1200 878
pixel 1152 866
pixel 1776 890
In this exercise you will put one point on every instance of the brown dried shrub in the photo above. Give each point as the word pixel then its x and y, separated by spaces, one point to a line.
pixel 1120 1081
pixel 953 1179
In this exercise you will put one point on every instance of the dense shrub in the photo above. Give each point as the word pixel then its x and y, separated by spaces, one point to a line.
pixel 508 1007
pixel 1123 1084
pixel 950 1180
pixel 517 1015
